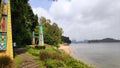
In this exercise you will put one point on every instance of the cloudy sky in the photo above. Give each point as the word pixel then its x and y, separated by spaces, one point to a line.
pixel 82 19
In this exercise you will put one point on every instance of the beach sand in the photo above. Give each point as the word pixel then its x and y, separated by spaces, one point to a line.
pixel 65 48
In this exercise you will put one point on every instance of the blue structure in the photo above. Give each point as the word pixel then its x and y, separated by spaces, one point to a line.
pixel 33 38
pixel 3 40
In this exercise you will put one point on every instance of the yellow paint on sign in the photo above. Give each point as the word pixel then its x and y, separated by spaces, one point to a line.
pixel 9 48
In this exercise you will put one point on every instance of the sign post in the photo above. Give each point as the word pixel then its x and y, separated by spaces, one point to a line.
pixel 6 47
pixel 33 38
pixel 41 38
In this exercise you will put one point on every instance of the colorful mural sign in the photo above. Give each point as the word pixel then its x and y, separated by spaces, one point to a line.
pixel 6 47
pixel 3 41
pixel 4 24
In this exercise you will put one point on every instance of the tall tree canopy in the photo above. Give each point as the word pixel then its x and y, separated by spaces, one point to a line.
pixel 23 21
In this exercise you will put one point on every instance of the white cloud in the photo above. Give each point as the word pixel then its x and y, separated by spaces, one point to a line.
pixel 42 12
pixel 60 9
pixel 85 19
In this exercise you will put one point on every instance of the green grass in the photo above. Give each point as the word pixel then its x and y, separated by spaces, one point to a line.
pixel 52 58
pixel 18 61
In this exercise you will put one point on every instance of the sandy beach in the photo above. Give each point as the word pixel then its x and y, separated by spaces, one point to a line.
pixel 65 48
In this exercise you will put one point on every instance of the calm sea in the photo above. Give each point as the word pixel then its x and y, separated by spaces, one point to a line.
pixel 101 55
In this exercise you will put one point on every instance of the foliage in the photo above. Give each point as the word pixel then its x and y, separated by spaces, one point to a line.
pixel 53 63
pixel 44 55
pixel 18 61
pixel 52 58
pixel 73 63
pixel 23 22
pixel 6 62
pixel 52 33
pixel 40 47
pixel 33 51
pixel 66 39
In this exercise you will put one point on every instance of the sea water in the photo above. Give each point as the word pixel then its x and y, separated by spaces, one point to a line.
pixel 100 55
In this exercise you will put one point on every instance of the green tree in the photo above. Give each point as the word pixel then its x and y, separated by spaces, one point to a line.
pixel 23 22
pixel 52 33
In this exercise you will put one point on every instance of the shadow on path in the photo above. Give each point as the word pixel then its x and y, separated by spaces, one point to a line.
pixel 28 61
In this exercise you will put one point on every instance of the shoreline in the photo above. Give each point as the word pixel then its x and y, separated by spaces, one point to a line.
pixel 65 48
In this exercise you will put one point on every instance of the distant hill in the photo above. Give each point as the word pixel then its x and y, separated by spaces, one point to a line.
pixel 104 40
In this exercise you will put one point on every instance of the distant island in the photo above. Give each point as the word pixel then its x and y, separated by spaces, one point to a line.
pixel 97 40
pixel 103 40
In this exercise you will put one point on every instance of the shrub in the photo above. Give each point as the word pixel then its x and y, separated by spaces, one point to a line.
pixel 44 55
pixel 29 46
pixel 6 62
pixel 53 63
pixel 73 63
pixel 49 55
pixel 56 56
pixel 33 51
pixel 40 47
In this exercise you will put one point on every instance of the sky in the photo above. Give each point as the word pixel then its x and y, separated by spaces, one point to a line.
pixel 82 19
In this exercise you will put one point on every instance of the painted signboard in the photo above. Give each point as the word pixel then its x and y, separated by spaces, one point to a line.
pixel 4 24
pixel 3 41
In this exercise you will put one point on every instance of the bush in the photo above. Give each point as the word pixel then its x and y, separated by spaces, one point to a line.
pixel 40 47
pixel 44 55
pixel 33 51
pixel 49 55
pixel 56 56
pixel 6 62
pixel 53 63
pixel 73 63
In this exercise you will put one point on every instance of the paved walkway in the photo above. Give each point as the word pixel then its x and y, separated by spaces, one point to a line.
pixel 28 61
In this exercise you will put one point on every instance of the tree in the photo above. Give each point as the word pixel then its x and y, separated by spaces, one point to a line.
pixel 66 39
pixel 23 22
pixel 52 33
